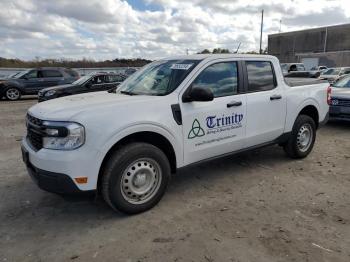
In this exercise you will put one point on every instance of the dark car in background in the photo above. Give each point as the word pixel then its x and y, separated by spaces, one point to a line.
pixel 29 82
pixel 89 83
pixel 340 100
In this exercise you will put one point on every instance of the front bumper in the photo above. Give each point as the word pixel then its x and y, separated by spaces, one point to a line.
pixel 56 171
pixel 50 181
pixel 339 113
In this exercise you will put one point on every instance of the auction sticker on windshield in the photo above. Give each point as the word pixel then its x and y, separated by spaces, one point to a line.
pixel 181 66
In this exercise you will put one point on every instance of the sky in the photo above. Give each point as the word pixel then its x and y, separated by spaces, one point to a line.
pixel 152 29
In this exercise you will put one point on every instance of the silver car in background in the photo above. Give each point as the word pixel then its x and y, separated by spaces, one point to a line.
pixel 340 100
pixel 333 74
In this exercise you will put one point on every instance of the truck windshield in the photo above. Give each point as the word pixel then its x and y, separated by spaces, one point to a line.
pixel 20 74
pixel 158 78
pixel 343 83
pixel 332 71
pixel 81 80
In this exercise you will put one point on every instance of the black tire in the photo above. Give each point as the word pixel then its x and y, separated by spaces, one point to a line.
pixel 13 93
pixel 294 147
pixel 114 190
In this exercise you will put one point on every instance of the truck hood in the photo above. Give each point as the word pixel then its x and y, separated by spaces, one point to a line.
pixel 69 107
pixel 341 92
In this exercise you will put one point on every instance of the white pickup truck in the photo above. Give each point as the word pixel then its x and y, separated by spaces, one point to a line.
pixel 170 114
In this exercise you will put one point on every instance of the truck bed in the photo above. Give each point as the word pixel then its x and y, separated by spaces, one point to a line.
pixel 296 81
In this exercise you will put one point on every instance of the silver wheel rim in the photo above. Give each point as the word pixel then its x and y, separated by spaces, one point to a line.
pixel 12 94
pixel 305 136
pixel 141 181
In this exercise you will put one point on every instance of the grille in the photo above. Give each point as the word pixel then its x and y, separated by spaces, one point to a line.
pixel 341 102
pixel 35 132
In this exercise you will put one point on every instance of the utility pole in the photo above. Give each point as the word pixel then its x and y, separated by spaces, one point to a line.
pixel 187 51
pixel 280 26
pixel 261 29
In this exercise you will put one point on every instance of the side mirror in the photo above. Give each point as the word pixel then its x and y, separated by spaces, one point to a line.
pixel 200 94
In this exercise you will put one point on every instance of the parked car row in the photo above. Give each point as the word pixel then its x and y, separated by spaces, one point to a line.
pixel 298 70
pixel 339 78
pixel 51 83
pixel 29 82
pixel 85 84
pixel 333 74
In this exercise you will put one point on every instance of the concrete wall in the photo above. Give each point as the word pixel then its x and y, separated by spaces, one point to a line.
pixel 330 44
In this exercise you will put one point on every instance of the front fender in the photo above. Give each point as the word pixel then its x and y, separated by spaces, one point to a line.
pixel 144 127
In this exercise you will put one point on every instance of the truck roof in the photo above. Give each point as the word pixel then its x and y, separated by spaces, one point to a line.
pixel 218 56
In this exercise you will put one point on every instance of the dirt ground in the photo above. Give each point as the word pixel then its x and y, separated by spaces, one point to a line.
pixel 258 206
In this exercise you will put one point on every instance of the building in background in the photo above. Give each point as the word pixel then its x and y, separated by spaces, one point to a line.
pixel 329 46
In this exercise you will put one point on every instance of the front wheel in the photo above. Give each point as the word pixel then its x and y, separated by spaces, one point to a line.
pixel 302 138
pixel 135 178
pixel 13 94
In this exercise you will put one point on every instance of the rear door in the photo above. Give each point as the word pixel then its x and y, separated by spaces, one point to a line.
pixel 266 103
pixel 51 77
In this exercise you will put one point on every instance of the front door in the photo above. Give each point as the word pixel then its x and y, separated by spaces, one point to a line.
pixel 217 127
pixel 33 81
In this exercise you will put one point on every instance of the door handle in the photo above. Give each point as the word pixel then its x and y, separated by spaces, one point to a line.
pixel 275 97
pixel 234 103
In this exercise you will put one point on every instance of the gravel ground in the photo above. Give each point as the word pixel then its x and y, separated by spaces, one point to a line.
pixel 258 206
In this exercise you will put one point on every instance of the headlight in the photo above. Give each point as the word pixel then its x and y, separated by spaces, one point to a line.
pixel 63 135
pixel 50 93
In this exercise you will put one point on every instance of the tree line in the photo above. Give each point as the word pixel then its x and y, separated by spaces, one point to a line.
pixel 82 63
pixel 227 51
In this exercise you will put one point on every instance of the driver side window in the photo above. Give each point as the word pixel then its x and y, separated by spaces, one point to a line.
pixel 32 74
pixel 221 78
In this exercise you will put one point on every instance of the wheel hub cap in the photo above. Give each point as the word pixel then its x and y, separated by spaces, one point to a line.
pixel 305 136
pixel 12 94
pixel 140 181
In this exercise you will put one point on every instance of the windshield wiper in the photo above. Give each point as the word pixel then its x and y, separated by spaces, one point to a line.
pixel 128 93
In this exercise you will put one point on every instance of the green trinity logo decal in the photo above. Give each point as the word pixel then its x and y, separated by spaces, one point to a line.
pixel 196 130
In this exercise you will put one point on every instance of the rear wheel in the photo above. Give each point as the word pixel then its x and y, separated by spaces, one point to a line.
pixel 302 138
pixel 13 94
pixel 135 178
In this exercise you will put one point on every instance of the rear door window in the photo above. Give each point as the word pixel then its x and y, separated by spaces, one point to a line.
pixel 97 80
pixel 51 73
pixel 116 78
pixel 260 76
pixel 71 72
